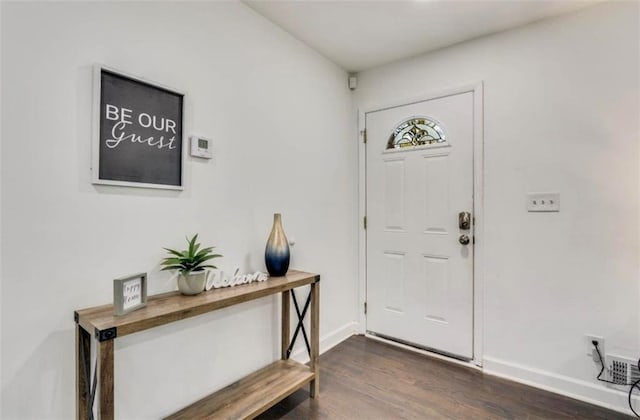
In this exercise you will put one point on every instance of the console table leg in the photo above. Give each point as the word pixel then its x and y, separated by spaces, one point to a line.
pixel 105 379
pixel 314 388
pixel 286 324
pixel 83 372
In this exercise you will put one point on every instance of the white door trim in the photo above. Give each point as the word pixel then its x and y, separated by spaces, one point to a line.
pixel 478 203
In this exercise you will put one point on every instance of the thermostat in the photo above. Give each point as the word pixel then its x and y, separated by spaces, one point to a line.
pixel 201 147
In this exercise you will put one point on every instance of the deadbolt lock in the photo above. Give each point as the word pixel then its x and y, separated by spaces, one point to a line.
pixel 464 220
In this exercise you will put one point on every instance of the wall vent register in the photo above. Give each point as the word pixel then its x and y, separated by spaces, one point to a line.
pixel 622 370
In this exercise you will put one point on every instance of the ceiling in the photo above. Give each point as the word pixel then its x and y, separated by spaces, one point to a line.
pixel 359 35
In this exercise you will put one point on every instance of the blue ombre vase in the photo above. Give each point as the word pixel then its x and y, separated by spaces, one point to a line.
pixel 276 255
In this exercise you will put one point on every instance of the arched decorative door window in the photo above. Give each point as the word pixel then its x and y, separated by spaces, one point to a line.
pixel 416 131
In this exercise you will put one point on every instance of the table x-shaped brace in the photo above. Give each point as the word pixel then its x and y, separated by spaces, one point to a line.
pixel 89 389
pixel 300 325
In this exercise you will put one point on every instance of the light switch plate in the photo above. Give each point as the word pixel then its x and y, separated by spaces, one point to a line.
pixel 543 202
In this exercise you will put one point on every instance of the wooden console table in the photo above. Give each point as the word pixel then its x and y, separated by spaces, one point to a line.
pixel 245 398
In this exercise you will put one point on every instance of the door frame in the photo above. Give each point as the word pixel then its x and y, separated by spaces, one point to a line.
pixel 478 203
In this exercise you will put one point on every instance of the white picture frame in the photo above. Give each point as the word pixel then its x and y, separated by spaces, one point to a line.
pixel 127 176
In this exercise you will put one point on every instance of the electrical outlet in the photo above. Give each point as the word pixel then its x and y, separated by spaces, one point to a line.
pixel 543 202
pixel 591 350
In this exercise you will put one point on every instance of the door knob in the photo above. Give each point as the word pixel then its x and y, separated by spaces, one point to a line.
pixel 464 220
pixel 464 239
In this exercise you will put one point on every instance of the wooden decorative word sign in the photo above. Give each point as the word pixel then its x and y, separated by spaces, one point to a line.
pixel 138 132
pixel 129 293
pixel 218 279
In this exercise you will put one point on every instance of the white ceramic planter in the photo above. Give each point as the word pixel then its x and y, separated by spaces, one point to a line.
pixel 192 283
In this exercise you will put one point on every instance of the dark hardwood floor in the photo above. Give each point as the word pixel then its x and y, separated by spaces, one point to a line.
pixel 362 378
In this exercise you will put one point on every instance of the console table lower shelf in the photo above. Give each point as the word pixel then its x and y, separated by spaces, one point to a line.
pixel 245 398
pixel 252 395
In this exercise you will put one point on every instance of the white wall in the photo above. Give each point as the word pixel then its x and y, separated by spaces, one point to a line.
pixel 282 123
pixel 561 114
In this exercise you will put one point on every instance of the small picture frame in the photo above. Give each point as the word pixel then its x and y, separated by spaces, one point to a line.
pixel 129 293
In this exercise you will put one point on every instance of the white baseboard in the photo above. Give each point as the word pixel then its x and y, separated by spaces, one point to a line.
pixel 327 341
pixel 591 393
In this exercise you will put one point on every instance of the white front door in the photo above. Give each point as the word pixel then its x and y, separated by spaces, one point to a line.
pixel 419 272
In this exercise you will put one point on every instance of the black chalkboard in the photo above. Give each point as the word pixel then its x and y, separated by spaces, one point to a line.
pixel 140 133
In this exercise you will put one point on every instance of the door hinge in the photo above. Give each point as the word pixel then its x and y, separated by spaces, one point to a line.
pixel 365 308
pixel 364 222
pixel 364 136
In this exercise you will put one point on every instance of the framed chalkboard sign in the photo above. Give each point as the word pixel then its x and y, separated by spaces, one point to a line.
pixel 138 132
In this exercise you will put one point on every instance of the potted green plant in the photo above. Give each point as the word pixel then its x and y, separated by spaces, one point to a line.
pixel 191 265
